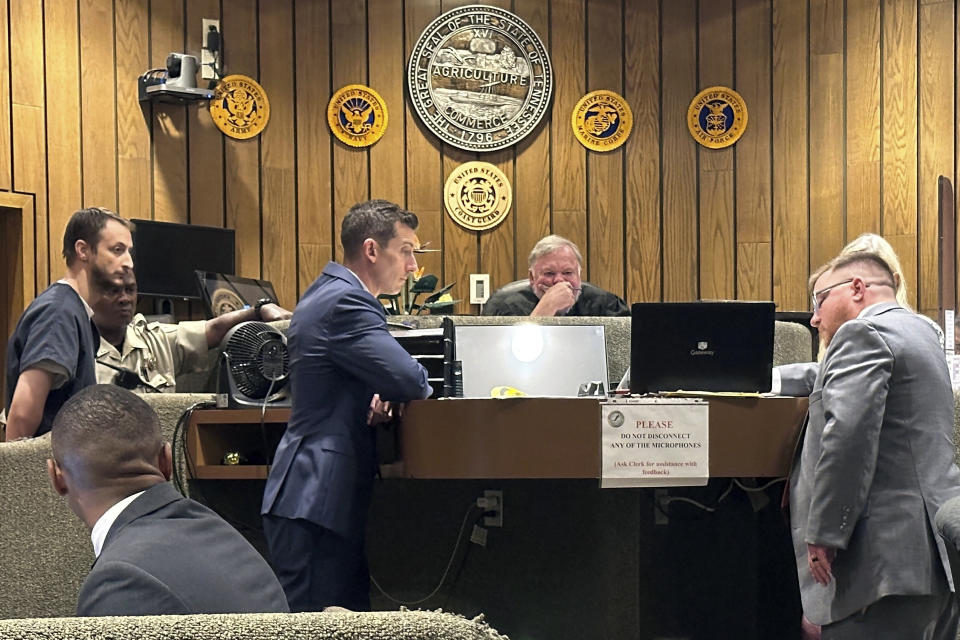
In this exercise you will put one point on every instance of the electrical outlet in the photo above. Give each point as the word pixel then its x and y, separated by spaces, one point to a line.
pixel 207 59
pixel 494 502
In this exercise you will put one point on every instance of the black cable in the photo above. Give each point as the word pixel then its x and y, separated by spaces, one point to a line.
pixel 128 378
pixel 267 454
pixel 705 509
pixel 759 489
pixel 180 429
pixel 215 47
pixel 456 576
pixel 446 571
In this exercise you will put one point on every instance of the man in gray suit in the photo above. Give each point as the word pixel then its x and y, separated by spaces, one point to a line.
pixel 876 463
pixel 157 552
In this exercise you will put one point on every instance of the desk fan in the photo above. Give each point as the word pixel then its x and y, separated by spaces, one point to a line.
pixel 254 367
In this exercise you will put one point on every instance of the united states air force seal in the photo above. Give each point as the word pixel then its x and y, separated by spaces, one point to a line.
pixel 602 120
pixel 357 115
pixel 240 108
pixel 477 195
pixel 480 78
pixel 717 117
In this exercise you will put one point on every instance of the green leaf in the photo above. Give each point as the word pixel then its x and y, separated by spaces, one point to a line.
pixel 435 296
pixel 440 308
pixel 426 284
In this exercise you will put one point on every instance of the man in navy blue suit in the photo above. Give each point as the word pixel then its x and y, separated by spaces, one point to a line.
pixel 347 373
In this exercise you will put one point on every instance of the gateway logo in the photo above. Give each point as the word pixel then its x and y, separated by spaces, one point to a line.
pixel 703 349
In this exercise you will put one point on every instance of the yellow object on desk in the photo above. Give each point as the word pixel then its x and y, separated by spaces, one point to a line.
pixel 506 392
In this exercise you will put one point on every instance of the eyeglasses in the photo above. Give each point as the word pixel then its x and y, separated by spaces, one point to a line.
pixel 817 300
pixel 818 296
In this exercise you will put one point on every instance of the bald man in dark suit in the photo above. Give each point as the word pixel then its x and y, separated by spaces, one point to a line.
pixel 157 552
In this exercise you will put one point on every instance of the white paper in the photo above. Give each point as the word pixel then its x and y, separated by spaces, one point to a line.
pixel 949 331
pixel 654 442
pixel 953 363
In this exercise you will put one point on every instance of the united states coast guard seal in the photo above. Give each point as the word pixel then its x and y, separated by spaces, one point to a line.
pixel 717 117
pixel 477 195
pixel 602 120
pixel 480 78
pixel 240 108
pixel 357 115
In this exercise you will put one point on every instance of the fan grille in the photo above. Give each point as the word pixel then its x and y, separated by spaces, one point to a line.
pixel 258 358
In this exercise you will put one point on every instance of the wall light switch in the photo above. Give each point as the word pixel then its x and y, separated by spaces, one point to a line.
pixel 479 288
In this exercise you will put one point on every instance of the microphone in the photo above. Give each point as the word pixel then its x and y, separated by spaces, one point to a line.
pixel 127 378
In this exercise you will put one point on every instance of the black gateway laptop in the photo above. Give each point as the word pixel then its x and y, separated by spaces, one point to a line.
pixel 701 346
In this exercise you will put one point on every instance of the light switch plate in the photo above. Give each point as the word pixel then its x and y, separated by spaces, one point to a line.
pixel 479 288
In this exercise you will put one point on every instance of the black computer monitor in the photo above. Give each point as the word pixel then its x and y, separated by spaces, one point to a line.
pixel 166 255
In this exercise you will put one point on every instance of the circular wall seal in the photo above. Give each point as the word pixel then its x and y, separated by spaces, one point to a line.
pixel 615 419
pixel 240 108
pixel 357 115
pixel 477 195
pixel 602 120
pixel 717 117
pixel 480 78
pixel 224 301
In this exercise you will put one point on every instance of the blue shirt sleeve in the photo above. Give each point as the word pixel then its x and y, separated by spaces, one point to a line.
pixel 52 335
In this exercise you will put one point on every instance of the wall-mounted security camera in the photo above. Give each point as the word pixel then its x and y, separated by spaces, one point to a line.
pixel 175 83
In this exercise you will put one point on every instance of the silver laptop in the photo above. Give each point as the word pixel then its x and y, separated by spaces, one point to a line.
pixel 536 360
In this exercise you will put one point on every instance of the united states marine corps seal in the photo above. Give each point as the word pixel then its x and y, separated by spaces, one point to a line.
pixel 357 115
pixel 717 117
pixel 240 108
pixel 602 120
pixel 477 195
pixel 480 78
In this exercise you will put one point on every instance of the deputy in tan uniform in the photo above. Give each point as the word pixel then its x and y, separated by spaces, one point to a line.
pixel 148 356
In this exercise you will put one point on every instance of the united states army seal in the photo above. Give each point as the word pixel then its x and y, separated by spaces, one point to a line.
pixel 602 120
pixel 240 108
pixel 357 115
pixel 477 195
pixel 717 117
pixel 480 78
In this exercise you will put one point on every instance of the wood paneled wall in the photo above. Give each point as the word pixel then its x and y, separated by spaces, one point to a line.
pixel 851 103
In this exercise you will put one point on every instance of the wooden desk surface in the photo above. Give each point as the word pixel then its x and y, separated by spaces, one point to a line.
pixel 560 437
pixel 465 438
